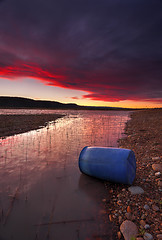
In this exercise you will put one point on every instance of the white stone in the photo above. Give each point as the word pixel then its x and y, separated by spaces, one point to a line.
pixel 136 190
pixel 157 174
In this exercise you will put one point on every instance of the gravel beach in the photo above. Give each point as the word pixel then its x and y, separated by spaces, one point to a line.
pixel 140 204
pixel 15 124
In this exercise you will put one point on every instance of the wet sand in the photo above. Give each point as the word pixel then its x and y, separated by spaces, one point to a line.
pixel 144 138
pixel 15 124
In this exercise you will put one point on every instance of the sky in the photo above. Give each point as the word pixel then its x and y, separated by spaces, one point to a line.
pixel 98 53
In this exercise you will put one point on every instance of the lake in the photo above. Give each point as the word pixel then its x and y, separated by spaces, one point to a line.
pixel 43 195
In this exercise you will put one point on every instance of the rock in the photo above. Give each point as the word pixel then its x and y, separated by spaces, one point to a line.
pixel 120 219
pixel 119 202
pixel 155 208
pixel 128 216
pixel 104 200
pixel 159 236
pixel 157 174
pixel 146 207
pixel 155 158
pixel 119 235
pixel 148 236
pixel 136 190
pixel 128 209
pixel 160 183
pixel 110 218
pixel 128 229
pixel 142 222
pixel 133 217
pixel 147 226
pixel 143 216
pixel 157 167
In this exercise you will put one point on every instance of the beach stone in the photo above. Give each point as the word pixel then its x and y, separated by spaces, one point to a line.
pixel 136 190
pixel 128 229
pixel 155 158
pixel 147 226
pixel 157 167
pixel 142 222
pixel 120 219
pixel 155 208
pixel 157 174
pixel 129 209
pixel 148 236
pixel 143 216
pixel 128 215
pixel 146 207
pixel 159 236
pixel 119 235
pixel 110 218
pixel 160 183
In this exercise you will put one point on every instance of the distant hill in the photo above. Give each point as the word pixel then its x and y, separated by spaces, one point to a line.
pixel 19 102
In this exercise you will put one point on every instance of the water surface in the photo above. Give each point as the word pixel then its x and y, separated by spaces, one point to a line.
pixel 43 195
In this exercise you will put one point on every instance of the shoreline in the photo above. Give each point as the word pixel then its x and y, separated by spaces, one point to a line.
pixel 143 137
pixel 12 124
pixel 144 210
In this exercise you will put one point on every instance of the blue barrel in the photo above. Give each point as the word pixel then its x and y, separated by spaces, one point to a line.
pixel 110 164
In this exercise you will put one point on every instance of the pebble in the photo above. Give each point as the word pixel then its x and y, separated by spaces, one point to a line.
pixel 157 167
pixel 155 208
pixel 157 174
pixel 155 158
pixel 128 229
pixel 119 234
pixel 147 226
pixel 160 183
pixel 159 236
pixel 128 209
pixel 148 236
pixel 142 222
pixel 143 216
pixel 128 215
pixel 136 190
pixel 120 219
pixel 146 207
pixel 110 218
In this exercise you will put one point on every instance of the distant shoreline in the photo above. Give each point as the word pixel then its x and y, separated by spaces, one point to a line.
pixel 27 103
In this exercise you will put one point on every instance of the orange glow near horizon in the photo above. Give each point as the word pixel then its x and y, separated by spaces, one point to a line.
pixel 36 89
pixel 124 104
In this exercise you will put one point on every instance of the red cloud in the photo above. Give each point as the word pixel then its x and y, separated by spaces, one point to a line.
pixel 99 85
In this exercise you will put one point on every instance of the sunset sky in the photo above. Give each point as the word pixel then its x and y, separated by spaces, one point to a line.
pixel 90 52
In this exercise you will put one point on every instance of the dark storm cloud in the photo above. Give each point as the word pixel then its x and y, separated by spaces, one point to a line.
pixel 111 49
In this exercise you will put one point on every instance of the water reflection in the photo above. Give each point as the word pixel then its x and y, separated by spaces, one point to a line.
pixel 42 193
